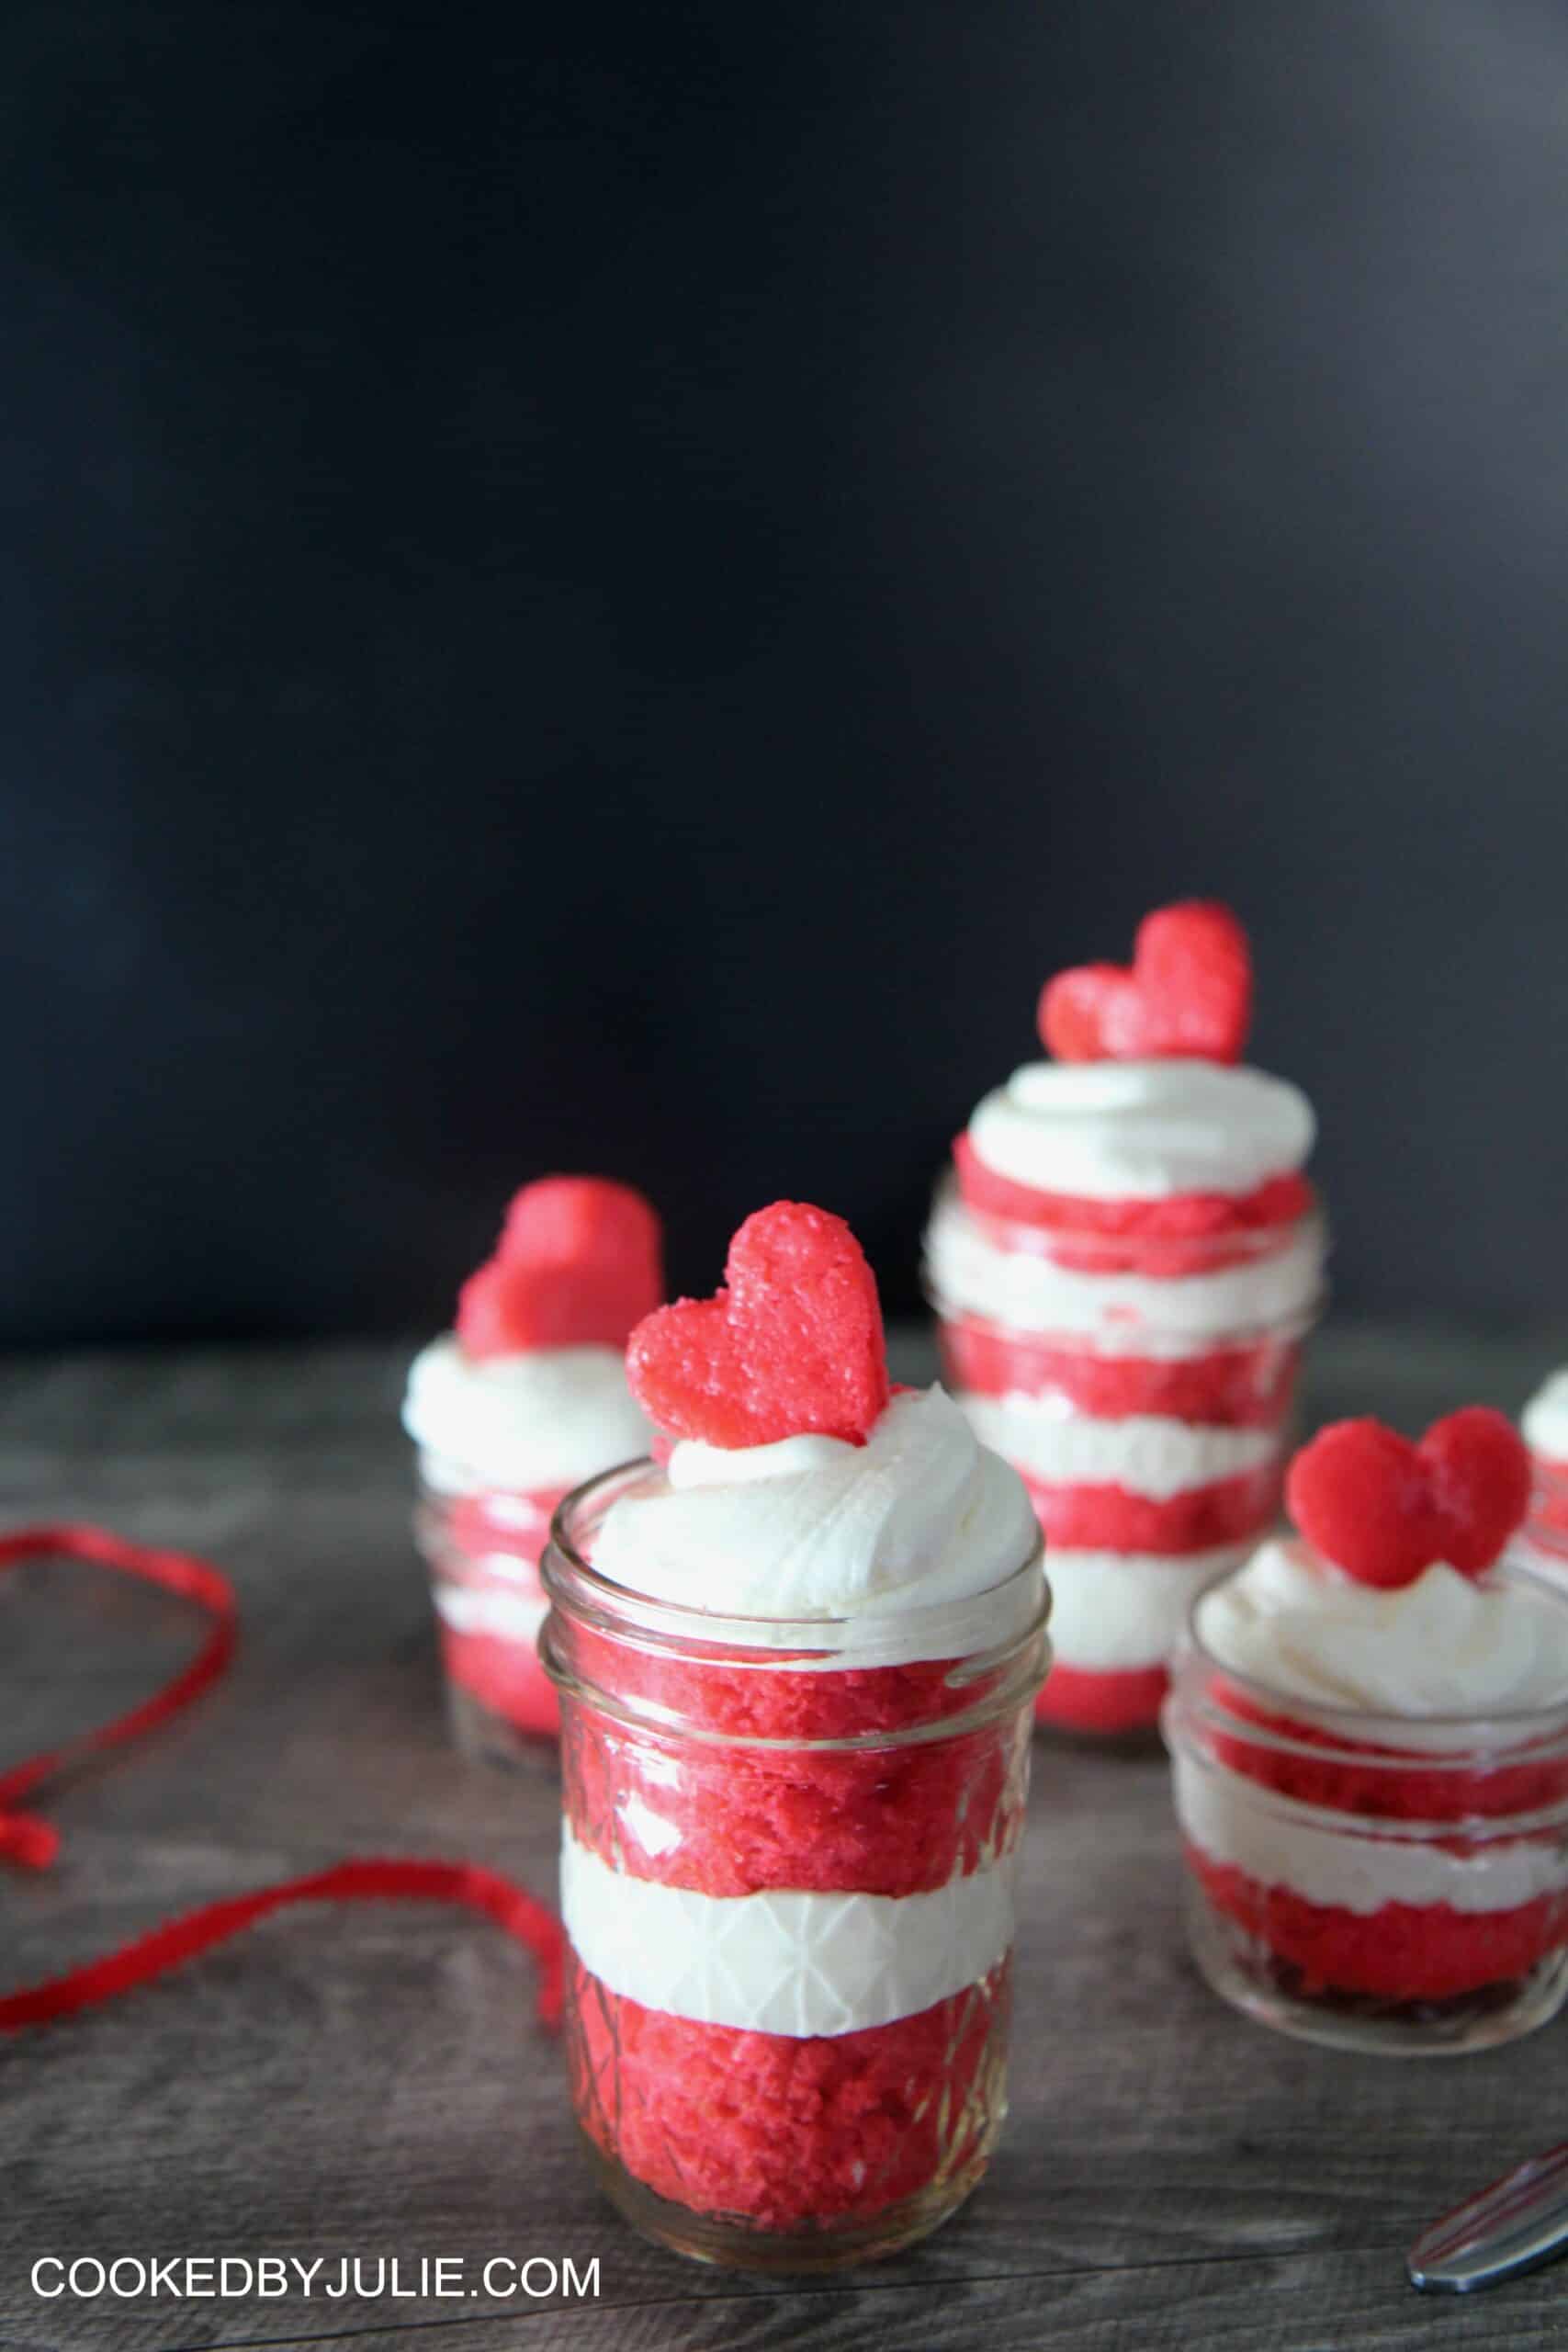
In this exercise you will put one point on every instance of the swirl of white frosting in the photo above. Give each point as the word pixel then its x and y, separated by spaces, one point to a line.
pixel 812 1528
pixel 1131 1131
pixel 1445 1644
pixel 1545 1419
pixel 544 1417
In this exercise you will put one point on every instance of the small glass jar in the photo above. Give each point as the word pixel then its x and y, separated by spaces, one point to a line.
pixel 787 1872
pixel 1143 1386
pixel 1386 1883
pixel 482 1547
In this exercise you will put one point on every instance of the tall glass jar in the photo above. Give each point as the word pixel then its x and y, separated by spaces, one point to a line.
pixel 787 1884
pixel 1386 1883
pixel 1143 1384
pixel 482 1547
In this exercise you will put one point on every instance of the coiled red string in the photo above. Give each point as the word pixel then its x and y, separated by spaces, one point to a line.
pixel 33 1843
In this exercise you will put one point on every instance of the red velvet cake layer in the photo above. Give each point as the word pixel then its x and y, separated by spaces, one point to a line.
pixel 1230 1388
pixel 781 2131
pixel 1183 1233
pixel 1392 1783
pixel 1401 1952
pixel 1083 1517
pixel 734 1820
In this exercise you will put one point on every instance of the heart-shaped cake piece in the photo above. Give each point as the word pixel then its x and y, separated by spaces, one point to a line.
pixel 579 1263
pixel 1383 1509
pixel 1188 994
pixel 791 1346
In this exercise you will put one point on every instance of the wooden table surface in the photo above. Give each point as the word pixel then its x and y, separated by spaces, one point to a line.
pixel 370 2081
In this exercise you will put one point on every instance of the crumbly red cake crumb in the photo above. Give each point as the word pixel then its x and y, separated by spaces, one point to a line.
pixel 1086 1518
pixel 782 2131
pixel 1401 1952
pixel 1250 1386
pixel 1169 1238
pixel 734 1819
pixel 1360 1777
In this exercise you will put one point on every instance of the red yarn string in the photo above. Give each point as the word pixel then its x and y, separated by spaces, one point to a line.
pixel 23 1837
pixel 32 1843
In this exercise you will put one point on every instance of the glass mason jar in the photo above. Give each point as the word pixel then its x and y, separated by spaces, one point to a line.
pixel 1386 1883
pixel 1144 1387
pixel 787 1870
pixel 483 1548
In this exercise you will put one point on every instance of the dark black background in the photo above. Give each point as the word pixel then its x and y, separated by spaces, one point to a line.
pixel 612 587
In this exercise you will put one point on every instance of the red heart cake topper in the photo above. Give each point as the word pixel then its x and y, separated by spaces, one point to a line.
pixel 791 1346
pixel 579 1263
pixel 1384 1509
pixel 1188 993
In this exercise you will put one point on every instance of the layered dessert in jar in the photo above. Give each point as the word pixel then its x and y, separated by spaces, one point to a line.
pixel 520 1402
pixel 797 1656
pixel 1545 1427
pixel 1123 1261
pixel 1369 1738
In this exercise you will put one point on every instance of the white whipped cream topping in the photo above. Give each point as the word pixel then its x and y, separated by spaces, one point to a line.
pixel 1123 1314
pixel 1144 1453
pixel 1118 1613
pixel 1445 1644
pixel 1357 1867
pixel 1116 1131
pixel 784 1962
pixel 549 1417
pixel 814 1527
pixel 1545 1419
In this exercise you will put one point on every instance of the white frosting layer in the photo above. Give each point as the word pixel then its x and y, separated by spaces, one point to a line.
pixel 1284 1844
pixel 1143 1452
pixel 1545 1419
pixel 1123 1314
pixel 511 1613
pixel 816 1528
pixel 786 1962
pixel 551 1416
pixel 1445 1644
pixel 1122 1131
pixel 1118 1613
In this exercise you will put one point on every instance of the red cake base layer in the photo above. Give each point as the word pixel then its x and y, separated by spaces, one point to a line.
pixel 1075 1699
pixel 1083 1517
pixel 1232 1388
pixel 784 2132
pixel 505 1675
pixel 1401 1952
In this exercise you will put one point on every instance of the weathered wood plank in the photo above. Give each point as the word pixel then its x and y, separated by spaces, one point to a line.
pixel 370 2082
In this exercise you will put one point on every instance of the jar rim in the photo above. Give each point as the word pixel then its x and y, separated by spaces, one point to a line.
pixel 1004 1614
